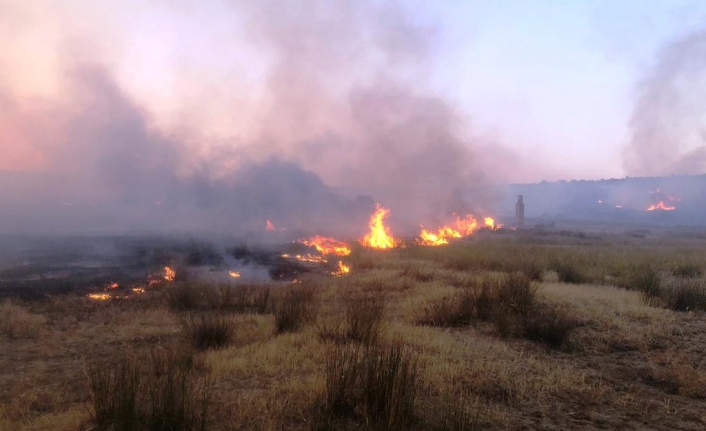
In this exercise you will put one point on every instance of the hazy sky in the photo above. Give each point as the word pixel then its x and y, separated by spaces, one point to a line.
pixel 552 80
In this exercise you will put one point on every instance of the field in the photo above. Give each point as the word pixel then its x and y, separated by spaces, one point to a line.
pixel 505 330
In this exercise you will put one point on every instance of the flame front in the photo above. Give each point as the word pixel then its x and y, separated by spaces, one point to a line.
pixel 327 245
pixel 342 269
pixel 99 296
pixel 661 206
pixel 491 224
pixel 138 289
pixel 169 274
pixel 305 258
pixel 379 235
pixel 459 229
pixel 234 274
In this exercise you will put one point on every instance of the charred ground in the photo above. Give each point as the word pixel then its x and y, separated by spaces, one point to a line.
pixel 504 330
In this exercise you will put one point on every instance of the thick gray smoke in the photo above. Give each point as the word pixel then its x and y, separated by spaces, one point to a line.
pixel 668 123
pixel 347 118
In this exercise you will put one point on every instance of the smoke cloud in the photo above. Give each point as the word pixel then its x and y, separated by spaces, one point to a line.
pixel 667 123
pixel 342 115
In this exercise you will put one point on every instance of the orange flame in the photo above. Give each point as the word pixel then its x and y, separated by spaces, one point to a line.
pixel 327 245
pixel 379 235
pixel 169 274
pixel 305 258
pixel 269 225
pixel 138 289
pixel 460 228
pixel 342 269
pixel 113 286
pixel 661 206
pixel 491 224
pixel 234 274
pixel 99 296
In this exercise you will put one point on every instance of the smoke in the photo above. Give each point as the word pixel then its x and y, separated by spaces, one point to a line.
pixel 342 115
pixel 667 123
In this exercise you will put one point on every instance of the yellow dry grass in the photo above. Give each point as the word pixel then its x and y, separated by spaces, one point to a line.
pixel 628 365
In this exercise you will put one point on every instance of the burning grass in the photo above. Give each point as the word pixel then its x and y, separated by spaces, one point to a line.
pixel 478 334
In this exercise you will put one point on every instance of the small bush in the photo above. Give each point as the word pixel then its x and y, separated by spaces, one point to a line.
pixel 549 325
pixel 185 297
pixel 568 272
pixel 685 295
pixel 176 401
pixel 118 393
pixel 253 298
pixel 459 310
pixel 330 330
pixel 416 273
pixel 517 292
pixel 687 270
pixel 209 331
pixel 378 385
pixel 532 270
pixel 16 322
pixel 364 318
pixel 645 280
pixel 295 308
pixel 165 396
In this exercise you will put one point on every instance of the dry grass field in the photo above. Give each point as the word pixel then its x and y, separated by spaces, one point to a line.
pixel 513 330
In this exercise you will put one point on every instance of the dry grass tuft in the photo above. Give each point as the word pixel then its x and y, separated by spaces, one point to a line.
pixel 185 297
pixel 162 396
pixel 364 318
pixel 16 322
pixel 209 330
pixel 296 307
pixel 378 385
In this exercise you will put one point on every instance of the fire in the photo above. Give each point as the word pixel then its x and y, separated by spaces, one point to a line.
pixel 379 235
pixel 459 229
pixel 342 269
pixel 491 224
pixel 138 289
pixel 305 258
pixel 99 296
pixel 661 206
pixel 662 198
pixel 269 225
pixel 327 245
pixel 113 286
pixel 169 274
pixel 234 274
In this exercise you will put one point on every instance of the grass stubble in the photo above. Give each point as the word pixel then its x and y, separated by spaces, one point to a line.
pixel 499 332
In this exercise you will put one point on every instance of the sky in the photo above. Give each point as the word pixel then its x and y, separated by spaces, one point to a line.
pixel 561 88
